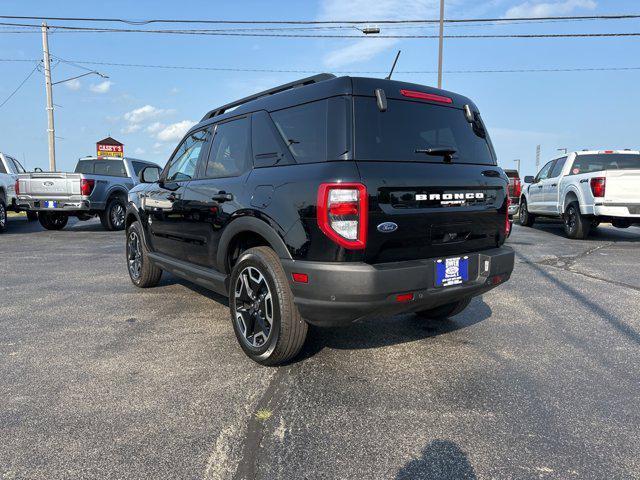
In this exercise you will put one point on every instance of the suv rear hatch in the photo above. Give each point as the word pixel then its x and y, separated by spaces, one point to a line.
pixel 433 185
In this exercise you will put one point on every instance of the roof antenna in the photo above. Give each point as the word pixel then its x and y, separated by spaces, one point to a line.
pixel 388 77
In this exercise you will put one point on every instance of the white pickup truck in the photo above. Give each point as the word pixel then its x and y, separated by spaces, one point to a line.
pixel 585 189
pixel 10 168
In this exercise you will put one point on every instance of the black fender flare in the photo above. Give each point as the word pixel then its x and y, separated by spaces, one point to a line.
pixel 116 191
pixel 249 224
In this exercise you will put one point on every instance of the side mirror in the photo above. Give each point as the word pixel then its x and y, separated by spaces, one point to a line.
pixel 529 179
pixel 149 175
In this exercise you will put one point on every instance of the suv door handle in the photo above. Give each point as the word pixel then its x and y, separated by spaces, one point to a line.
pixel 539 186
pixel 554 184
pixel 222 197
pixel 172 197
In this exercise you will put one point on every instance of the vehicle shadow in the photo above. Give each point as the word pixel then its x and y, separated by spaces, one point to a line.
pixel 169 279
pixel 603 232
pixel 381 331
pixel 441 460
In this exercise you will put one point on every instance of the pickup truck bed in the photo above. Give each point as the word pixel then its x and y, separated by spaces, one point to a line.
pixel 98 187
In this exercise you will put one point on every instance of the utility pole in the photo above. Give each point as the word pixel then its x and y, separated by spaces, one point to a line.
pixel 517 161
pixel 440 45
pixel 537 158
pixel 47 82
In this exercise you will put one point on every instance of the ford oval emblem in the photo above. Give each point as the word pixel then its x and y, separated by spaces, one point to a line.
pixel 387 227
pixel 48 184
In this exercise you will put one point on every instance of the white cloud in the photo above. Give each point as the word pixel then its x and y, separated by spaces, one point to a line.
pixel 175 131
pixel 365 49
pixel 131 128
pixel 139 151
pixel 142 114
pixel 73 85
pixel 545 9
pixel 155 127
pixel 102 87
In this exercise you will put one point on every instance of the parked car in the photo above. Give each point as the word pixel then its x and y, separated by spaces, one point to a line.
pixel 10 168
pixel 325 201
pixel 99 187
pixel 515 190
pixel 585 189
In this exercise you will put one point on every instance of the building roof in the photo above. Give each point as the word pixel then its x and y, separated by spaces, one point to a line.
pixel 110 141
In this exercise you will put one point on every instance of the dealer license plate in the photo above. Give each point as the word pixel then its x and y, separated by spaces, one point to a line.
pixel 452 271
pixel 50 204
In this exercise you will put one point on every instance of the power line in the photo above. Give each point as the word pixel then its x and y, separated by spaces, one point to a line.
pixel 78 63
pixel 19 86
pixel 291 35
pixel 319 22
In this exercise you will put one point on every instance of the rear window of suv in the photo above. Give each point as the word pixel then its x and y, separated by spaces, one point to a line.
pixel 605 161
pixel 406 126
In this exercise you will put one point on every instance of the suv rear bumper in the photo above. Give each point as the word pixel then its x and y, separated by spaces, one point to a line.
pixel 620 210
pixel 64 204
pixel 340 293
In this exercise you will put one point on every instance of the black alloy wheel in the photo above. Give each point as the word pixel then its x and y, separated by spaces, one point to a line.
pixel 254 307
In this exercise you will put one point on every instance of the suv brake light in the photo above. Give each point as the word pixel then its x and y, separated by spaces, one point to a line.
pixel 86 186
pixel 17 187
pixel 425 96
pixel 343 213
pixel 598 186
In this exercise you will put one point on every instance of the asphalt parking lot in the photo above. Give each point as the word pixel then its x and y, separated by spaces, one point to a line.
pixel 537 379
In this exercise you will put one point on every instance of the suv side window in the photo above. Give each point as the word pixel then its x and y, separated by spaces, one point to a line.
pixel 544 173
pixel 557 169
pixel 229 155
pixel 304 130
pixel 16 165
pixel 2 169
pixel 268 149
pixel 182 165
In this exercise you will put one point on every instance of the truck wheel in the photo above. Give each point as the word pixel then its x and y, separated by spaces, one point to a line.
pixel 526 219
pixel 142 272
pixel 32 216
pixel 445 311
pixel 265 319
pixel 113 217
pixel 53 220
pixel 575 225
pixel 3 216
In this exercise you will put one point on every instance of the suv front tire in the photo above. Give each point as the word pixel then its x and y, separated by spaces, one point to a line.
pixel 265 318
pixel 142 272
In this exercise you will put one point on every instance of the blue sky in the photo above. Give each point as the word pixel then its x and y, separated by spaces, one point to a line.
pixel 148 109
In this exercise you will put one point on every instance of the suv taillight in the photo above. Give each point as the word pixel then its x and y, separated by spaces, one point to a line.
pixel 343 213
pixel 598 186
pixel 86 186
pixel 17 187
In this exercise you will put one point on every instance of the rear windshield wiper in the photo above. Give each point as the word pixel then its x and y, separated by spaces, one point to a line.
pixel 446 152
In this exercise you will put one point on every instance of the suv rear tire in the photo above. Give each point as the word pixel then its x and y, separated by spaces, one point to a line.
pixel 142 272
pixel 3 216
pixel 525 218
pixel 445 311
pixel 265 319
pixel 53 220
pixel 113 217
pixel 575 225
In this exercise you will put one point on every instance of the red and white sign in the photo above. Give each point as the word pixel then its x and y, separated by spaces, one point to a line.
pixel 110 150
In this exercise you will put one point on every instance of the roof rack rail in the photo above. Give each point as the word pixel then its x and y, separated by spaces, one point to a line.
pixel 287 86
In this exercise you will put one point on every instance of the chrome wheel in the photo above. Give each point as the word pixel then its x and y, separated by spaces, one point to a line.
pixel 134 255
pixel 523 213
pixel 253 307
pixel 117 215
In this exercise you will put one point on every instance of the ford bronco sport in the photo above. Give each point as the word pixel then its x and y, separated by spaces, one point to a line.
pixel 325 201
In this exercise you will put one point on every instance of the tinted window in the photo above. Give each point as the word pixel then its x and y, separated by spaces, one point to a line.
pixel 405 127
pixel 16 166
pixel 138 167
pixel 557 169
pixel 182 165
pixel 304 130
pixel 112 168
pixel 599 162
pixel 266 146
pixel 229 154
pixel 2 169
pixel 544 173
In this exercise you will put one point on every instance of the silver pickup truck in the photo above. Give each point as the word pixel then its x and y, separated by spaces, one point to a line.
pixel 99 186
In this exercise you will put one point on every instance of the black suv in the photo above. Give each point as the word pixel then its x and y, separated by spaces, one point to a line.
pixel 324 201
